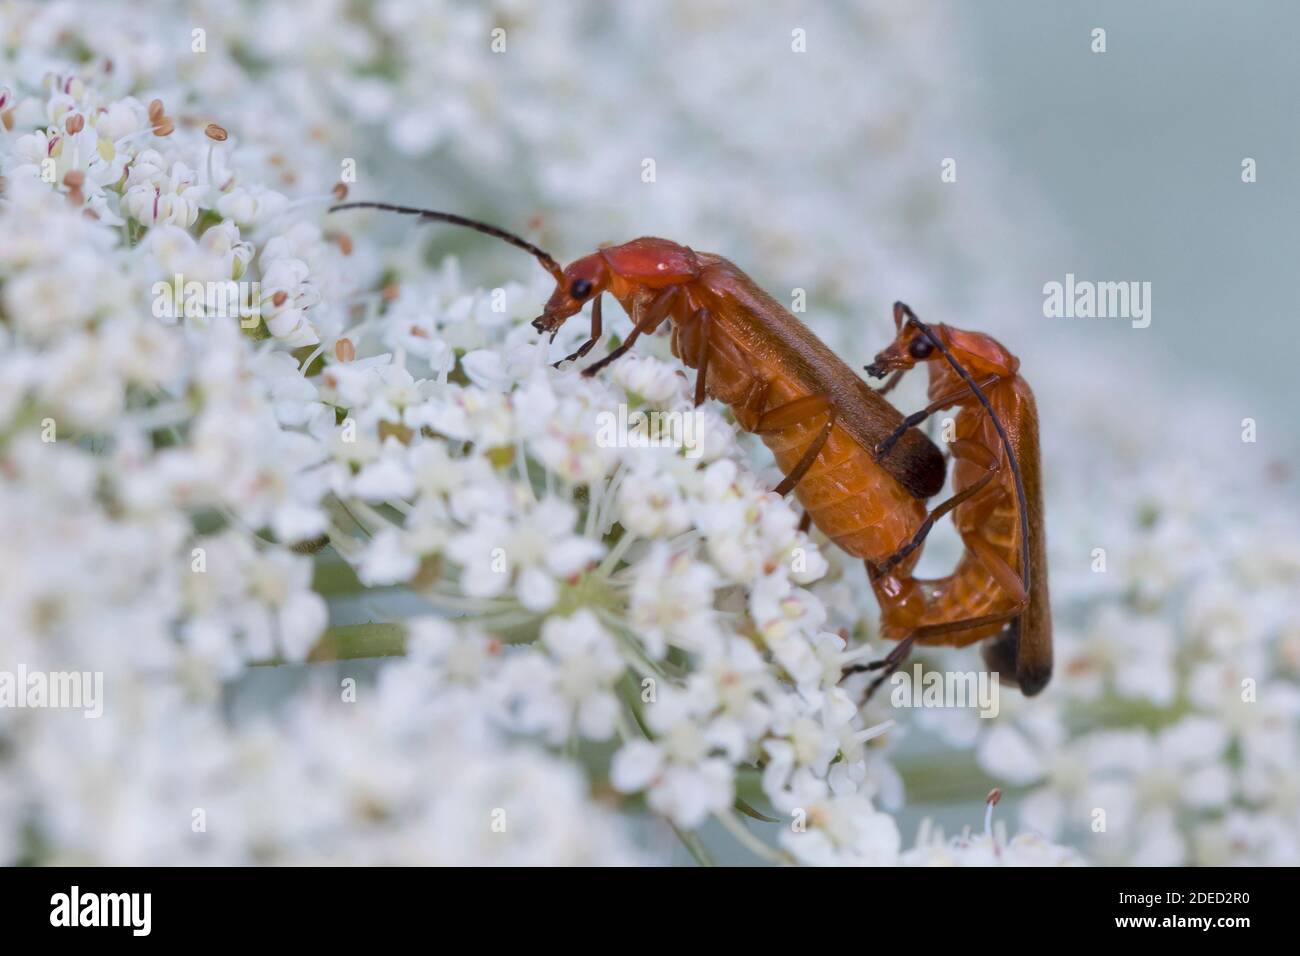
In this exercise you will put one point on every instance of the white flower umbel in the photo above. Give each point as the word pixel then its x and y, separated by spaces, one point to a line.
pixel 989 848
pixel 357 452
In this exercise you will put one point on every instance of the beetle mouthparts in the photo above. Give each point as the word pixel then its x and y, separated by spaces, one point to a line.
pixel 539 323
pixel 875 369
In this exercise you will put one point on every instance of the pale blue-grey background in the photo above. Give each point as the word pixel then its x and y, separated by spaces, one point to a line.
pixel 1136 154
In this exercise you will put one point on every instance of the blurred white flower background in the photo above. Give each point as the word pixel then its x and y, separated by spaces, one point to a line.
pixel 278 542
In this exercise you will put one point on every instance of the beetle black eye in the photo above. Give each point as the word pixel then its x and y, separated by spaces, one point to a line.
pixel 580 288
pixel 920 348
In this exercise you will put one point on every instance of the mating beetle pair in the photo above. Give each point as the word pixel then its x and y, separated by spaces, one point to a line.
pixel 860 469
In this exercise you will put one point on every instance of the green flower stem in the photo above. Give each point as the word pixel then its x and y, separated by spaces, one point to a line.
pixel 332 576
pixel 694 845
pixel 743 836
pixel 369 518
pixel 353 642
pixel 952 777
pixel 634 652
pixel 616 553
pixel 341 519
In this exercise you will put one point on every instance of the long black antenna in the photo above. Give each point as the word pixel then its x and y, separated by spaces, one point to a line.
pixel 548 263
pixel 1002 434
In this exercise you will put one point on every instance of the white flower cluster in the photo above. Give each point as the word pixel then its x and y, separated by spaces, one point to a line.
pixel 173 457
pixel 666 592
pixel 156 476
pixel 1173 733
pixel 589 632
pixel 991 848
pixel 412 774
pixel 137 455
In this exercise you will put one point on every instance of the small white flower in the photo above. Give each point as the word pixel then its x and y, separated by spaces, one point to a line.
pixel 387 560
pixel 984 849
pixel 671 601
pixel 387 478
pixel 534 552
pixel 250 207
pixel 683 771
pixel 154 197
pixel 569 688
pixel 828 830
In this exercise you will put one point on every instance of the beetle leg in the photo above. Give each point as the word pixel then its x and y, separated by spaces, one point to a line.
pixel 914 419
pixel 613 356
pixel 792 413
pixel 893 380
pixel 805 523
pixel 894 659
pixel 644 319
pixel 806 461
pixel 967 623
pixel 809 456
pixel 899 653
pixel 702 360
pixel 586 346
pixel 962 448
pixel 890 663
pixel 1004 578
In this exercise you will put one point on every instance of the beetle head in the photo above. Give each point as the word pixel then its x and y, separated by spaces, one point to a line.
pixel 910 345
pixel 577 285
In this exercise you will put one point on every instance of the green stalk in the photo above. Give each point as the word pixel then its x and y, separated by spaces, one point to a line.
pixel 694 845
pixel 352 642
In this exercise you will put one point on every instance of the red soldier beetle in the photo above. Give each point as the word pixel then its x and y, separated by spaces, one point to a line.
pixel 1000 583
pixel 860 470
